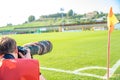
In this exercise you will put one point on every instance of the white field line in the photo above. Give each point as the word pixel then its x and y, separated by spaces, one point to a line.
pixel 114 68
pixel 77 72
pixel 72 72
pixel 91 67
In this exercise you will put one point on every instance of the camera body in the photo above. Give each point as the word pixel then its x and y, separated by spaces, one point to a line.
pixel 40 47
pixel 22 50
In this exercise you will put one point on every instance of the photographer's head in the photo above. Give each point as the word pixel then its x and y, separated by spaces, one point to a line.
pixel 8 46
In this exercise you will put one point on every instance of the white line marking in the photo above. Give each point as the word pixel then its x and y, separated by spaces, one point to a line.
pixel 72 72
pixel 77 72
pixel 91 67
pixel 57 70
pixel 114 68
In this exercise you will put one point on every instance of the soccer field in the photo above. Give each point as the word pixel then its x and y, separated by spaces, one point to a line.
pixel 77 55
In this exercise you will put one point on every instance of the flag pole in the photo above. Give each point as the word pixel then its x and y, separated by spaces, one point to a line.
pixel 108 57
pixel 111 21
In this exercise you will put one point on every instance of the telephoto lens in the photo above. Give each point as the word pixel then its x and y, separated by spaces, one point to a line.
pixel 40 47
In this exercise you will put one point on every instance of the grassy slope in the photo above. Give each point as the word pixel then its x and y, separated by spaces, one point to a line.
pixel 47 22
pixel 73 50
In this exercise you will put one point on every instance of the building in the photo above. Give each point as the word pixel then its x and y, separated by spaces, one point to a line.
pixel 90 15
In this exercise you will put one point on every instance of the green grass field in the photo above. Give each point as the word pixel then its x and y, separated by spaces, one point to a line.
pixel 74 50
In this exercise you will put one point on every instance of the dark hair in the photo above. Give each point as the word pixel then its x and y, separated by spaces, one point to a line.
pixel 7 45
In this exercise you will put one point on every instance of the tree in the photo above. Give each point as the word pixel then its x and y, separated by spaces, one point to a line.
pixel 9 24
pixel 31 18
pixel 70 13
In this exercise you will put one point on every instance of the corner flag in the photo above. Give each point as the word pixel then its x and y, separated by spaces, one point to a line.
pixel 111 20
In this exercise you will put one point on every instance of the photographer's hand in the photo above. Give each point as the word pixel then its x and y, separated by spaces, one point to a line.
pixel 28 55
pixel 41 77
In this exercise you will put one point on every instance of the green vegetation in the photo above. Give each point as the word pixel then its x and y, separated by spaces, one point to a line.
pixel 74 50
pixel 68 18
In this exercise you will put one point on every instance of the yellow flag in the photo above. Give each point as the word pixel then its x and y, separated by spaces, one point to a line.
pixel 111 20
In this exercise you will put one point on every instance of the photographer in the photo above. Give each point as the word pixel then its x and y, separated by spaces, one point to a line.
pixel 14 68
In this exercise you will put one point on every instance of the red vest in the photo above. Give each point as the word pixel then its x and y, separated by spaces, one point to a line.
pixel 19 69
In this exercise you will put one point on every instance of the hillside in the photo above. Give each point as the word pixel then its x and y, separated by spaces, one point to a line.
pixel 53 20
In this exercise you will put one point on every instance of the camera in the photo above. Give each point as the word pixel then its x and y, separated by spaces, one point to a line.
pixel 40 47
pixel 22 50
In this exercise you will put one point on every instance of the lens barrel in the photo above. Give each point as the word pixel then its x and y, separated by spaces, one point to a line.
pixel 40 47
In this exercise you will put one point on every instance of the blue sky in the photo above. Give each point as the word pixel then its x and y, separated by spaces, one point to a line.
pixel 17 11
